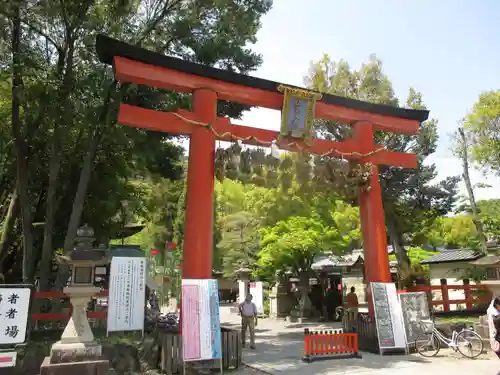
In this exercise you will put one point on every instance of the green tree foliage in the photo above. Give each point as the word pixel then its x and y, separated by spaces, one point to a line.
pixel 82 168
pixel 416 255
pixel 410 197
pixel 293 243
pixel 239 242
pixel 457 232
pixel 489 214
pixel 244 210
pixel 482 125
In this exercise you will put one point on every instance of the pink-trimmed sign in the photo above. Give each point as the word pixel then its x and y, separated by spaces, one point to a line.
pixel 201 337
pixel 8 359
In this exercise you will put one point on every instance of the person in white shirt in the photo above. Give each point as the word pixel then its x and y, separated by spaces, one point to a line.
pixel 248 312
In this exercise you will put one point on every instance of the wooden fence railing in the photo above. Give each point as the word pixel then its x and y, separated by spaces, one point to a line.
pixel 52 309
pixel 440 299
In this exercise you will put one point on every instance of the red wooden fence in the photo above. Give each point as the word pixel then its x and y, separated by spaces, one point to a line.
pixel 329 343
pixel 63 315
pixel 469 299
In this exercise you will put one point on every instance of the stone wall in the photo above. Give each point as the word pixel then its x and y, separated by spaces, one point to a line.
pixel 126 355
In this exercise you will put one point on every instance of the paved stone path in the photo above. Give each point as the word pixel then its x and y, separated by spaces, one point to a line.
pixel 280 348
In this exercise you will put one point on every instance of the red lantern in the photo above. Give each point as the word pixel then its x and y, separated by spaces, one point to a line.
pixel 171 246
pixel 154 252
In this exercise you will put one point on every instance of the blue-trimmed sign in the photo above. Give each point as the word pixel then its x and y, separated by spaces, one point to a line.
pixel 201 336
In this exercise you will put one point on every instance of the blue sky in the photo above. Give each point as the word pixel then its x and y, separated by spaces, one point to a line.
pixel 446 49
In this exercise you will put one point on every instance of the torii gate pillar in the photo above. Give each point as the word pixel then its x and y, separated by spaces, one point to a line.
pixel 372 214
pixel 198 241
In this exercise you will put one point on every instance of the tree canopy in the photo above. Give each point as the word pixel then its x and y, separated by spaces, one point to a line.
pixel 482 125
pixel 410 197
pixel 73 165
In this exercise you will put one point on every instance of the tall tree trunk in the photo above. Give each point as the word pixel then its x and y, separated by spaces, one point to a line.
pixel 304 303
pixel 8 225
pixel 20 144
pixel 404 263
pixel 81 192
pixel 66 60
pixel 78 204
pixel 464 150
pixel 50 207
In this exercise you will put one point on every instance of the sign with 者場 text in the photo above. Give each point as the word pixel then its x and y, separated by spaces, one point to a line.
pixel 201 336
pixel 127 294
pixel 14 313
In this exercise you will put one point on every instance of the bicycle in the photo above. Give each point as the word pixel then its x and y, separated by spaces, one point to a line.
pixel 460 341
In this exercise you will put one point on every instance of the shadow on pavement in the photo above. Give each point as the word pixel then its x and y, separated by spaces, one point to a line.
pixel 283 353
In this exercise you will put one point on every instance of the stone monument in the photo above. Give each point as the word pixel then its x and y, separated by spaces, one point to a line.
pixel 77 352
pixel 280 301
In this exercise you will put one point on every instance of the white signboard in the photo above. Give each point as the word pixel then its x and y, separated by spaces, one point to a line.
pixel 242 289
pixel 14 313
pixel 127 294
pixel 257 292
pixel 388 317
pixel 201 335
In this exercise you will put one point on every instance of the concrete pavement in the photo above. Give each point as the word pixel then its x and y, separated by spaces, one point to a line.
pixel 280 349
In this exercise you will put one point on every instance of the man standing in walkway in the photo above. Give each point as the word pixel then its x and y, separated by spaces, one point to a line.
pixel 248 312
pixel 352 307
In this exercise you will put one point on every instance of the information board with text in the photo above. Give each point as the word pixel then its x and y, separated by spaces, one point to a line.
pixel 201 335
pixel 127 294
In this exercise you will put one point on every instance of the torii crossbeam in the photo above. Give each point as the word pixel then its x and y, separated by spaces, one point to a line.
pixel 135 65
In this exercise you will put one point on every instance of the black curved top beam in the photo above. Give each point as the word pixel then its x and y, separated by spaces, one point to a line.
pixel 107 48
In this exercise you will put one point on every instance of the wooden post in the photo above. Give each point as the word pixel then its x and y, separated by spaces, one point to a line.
pixel 468 294
pixel 444 295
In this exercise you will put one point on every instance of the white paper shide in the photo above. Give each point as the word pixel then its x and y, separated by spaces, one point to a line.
pixel 127 296
pixel 14 311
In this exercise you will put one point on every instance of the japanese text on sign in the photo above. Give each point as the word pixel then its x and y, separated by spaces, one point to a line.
pixel 14 310
pixel 126 294
pixel 200 320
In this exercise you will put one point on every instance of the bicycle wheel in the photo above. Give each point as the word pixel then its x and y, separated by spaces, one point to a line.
pixel 469 344
pixel 427 344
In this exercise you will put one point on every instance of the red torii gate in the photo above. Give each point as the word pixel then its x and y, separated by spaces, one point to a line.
pixel 136 65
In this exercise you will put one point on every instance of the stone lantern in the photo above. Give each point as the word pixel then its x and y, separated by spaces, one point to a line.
pixel 77 346
pixel 243 274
